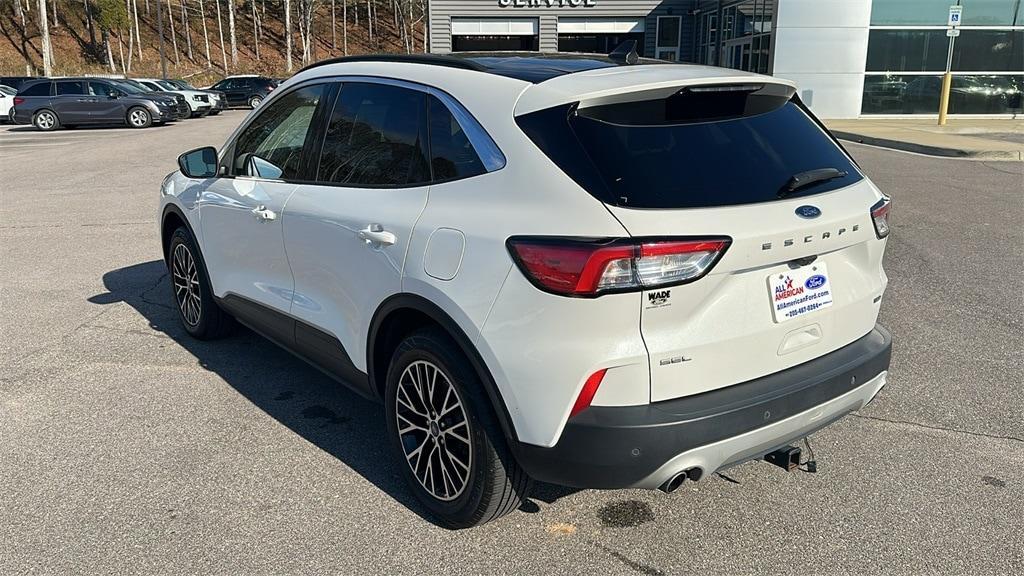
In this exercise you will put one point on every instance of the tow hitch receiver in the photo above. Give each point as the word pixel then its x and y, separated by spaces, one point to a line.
pixel 787 458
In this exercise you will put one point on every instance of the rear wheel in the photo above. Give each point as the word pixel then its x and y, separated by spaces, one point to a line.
pixel 254 101
pixel 441 425
pixel 197 309
pixel 139 117
pixel 46 120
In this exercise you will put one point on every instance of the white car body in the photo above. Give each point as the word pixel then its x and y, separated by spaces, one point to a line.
pixel 310 256
pixel 200 102
pixel 6 102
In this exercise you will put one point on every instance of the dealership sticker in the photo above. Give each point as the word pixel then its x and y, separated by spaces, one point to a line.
pixel 798 292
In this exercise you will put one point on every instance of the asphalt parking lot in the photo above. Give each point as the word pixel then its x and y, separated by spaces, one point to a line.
pixel 126 447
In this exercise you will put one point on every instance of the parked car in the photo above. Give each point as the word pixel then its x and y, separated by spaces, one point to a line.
pixel 245 90
pixel 218 100
pixel 198 102
pixel 16 81
pixel 623 276
pixel 6 102
pixel 135 87
pixel 69 102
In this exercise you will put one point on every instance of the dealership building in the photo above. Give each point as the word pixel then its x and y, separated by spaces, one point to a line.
pixel 851 58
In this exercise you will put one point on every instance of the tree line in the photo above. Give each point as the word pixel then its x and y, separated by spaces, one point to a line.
pixel 115 36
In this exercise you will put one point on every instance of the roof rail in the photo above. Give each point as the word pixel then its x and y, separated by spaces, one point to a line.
pixel 431 59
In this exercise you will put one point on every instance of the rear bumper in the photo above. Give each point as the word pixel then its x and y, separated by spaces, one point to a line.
pixel 643 446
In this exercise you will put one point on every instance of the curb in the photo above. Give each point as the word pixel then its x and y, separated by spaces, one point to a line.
pixel 929 150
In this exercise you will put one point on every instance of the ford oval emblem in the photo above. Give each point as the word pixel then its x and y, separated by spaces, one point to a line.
pixel 808 212
pixel 815 282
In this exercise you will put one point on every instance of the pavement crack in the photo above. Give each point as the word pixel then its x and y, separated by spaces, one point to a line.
pixel 940 428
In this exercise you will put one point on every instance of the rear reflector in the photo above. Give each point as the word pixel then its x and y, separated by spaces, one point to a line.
pixel 587 393
pixel 576 267
pixel 880 216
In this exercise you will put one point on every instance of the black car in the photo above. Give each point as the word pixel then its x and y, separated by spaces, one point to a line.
pixel 16 81
pixel 245 90
pixel 134 87
pixel 50 104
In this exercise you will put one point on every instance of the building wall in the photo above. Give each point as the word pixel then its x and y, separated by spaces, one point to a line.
pixel 822 46
pixel 442 11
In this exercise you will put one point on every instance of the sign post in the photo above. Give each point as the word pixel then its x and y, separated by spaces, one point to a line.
pixel 955 17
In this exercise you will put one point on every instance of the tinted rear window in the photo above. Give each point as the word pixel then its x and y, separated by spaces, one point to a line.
pixel 38 89
pixel 665 154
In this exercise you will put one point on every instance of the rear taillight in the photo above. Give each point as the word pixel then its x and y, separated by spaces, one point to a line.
pixel 880 216
pixel 18 101
pixel 574 267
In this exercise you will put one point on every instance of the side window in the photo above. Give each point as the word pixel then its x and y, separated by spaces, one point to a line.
pixel 102 89
pixel 71 88
pixel 376 137
pixel 40 89
pixel 272 144
pixel 451 153
pixel 222 85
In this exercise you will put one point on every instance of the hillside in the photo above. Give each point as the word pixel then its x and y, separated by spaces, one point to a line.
pixel 78 47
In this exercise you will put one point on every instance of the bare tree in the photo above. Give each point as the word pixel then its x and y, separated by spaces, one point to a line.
pixel 334 29
pixel 344 17
pixel 231 31
pixel 220 29
pixel 188 28
pixel 174 37
pixel 255 29
pixel 44 31
pixel 138 37
pixel 288 35
pixel 206 35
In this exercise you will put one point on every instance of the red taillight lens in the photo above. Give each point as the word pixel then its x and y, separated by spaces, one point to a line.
pixel 587 393
pixel 574 267
pixel 18 100
pixel 880 217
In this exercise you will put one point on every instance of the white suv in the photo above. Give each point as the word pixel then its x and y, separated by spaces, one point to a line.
pixel 582 270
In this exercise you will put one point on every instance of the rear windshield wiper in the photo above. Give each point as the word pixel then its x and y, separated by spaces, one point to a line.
pixel 809 177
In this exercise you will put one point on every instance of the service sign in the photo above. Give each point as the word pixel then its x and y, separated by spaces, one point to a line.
pixel 547 3
pixel 798 292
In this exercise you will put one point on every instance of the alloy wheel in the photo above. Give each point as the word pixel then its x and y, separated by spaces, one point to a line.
pixel 45 120
pixel 186 284
pixel 138 118
pixel 433 430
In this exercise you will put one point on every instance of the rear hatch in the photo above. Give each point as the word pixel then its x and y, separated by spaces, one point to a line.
pixel 743 159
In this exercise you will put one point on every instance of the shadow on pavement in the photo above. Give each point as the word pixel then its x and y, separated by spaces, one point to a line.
pixel 317 408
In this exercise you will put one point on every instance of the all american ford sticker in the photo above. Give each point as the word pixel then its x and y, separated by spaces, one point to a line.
pixel 798 292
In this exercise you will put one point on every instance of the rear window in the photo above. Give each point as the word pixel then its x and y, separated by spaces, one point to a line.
pixel 38 89
pixel 691 149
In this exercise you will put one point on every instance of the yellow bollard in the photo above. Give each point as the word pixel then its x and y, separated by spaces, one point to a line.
pixel 947 82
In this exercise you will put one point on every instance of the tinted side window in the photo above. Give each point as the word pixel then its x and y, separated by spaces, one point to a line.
pixel 376 137
pixel 451 153
pixel 70 88
pixel 102 89
pixel 279 133
pixel 40 89
pixel 222 85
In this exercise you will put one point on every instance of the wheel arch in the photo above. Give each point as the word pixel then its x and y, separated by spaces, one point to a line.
pixel 399 315
pixel 172 219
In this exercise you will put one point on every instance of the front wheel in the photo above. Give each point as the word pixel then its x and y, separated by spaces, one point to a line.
pixel 198 311
pixel 441 425
pixel 139 118
pixel 255 101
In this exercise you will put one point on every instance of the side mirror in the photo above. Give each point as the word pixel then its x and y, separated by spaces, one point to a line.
pixel 199 163
pixel 113 95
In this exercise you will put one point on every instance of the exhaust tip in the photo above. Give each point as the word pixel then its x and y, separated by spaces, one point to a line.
pixel 673 483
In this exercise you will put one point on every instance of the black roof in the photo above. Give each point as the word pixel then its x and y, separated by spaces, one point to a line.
pixel 532 67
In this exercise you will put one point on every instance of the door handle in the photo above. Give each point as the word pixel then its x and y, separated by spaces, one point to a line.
pixel 375 234
pixel 262 214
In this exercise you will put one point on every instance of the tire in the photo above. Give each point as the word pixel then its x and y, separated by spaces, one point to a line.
pixel 46 120
pixel 254 101
pixel 491 483
pixel 138 117
pixel 190 288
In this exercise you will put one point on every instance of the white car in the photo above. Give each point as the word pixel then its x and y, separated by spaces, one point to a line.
pixel 6 102
pixel 590 271
pixel 199 101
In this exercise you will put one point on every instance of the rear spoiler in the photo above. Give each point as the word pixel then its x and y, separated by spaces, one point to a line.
pixel 637 82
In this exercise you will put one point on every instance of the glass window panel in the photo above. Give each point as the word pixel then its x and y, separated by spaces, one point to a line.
pixel 989 50
pixel 985 94
pixel 988 12
pixel 907 50
pixel 898 94
pixel 911 12
pixel 278 135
